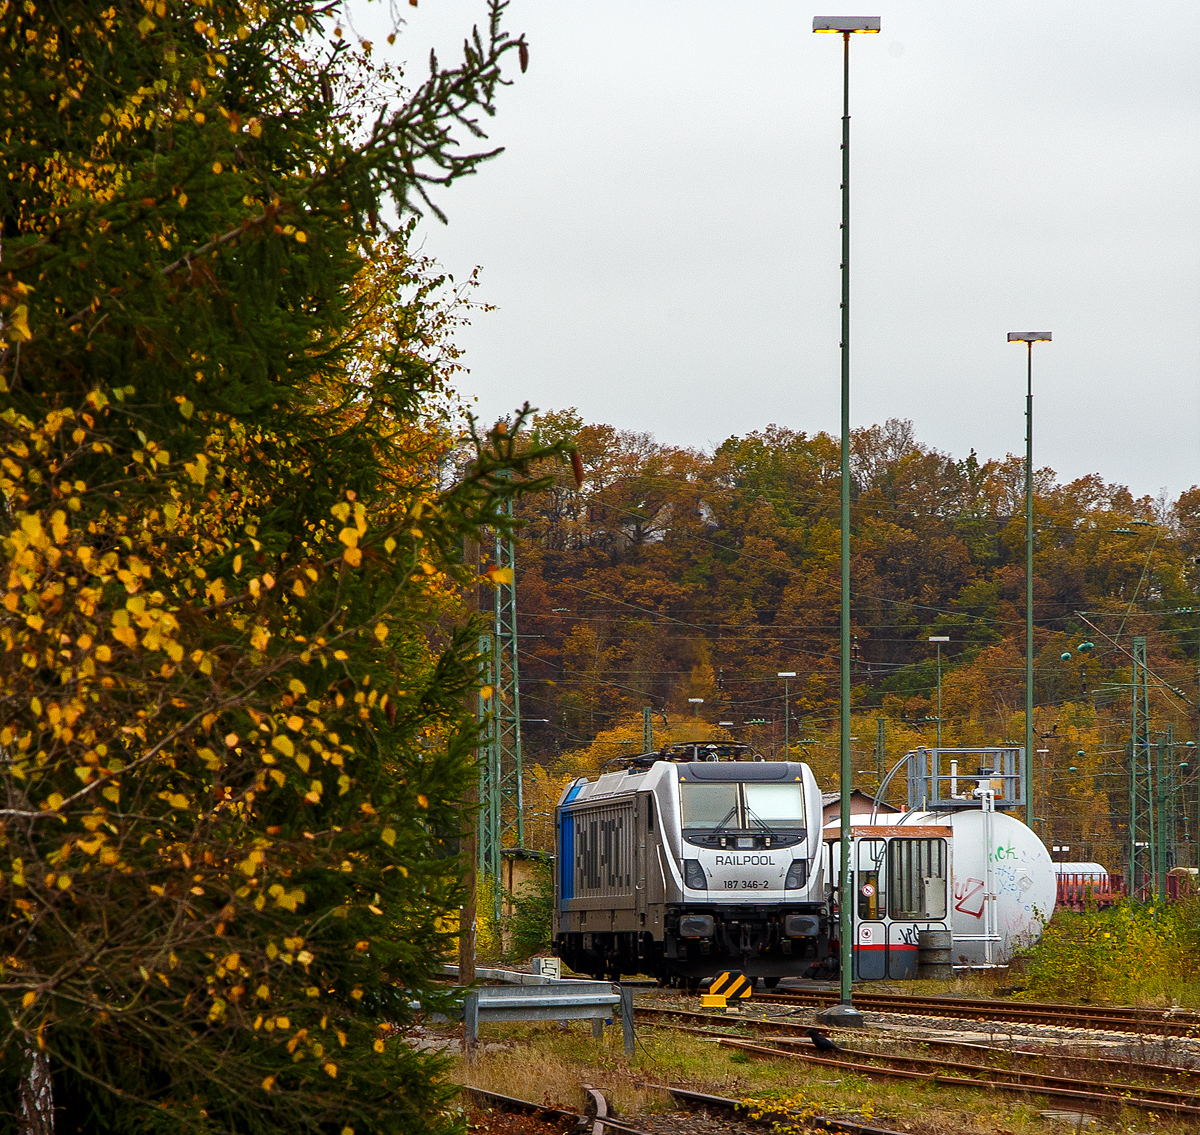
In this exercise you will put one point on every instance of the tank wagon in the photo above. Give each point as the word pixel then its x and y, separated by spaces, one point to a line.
pixel 981 875
pixel 689 861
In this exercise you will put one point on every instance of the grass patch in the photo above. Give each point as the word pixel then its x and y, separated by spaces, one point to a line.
pixel 547 1064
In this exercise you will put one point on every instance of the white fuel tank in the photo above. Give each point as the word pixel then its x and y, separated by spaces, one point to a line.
pixel 1023 881
pixel 1022 878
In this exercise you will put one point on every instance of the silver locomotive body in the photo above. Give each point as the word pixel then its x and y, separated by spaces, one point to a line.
pixel 683 868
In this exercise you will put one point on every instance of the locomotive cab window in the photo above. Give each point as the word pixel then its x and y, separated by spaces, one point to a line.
pixel 738 806
pixel 774 805
pixel 917 878
pixel 707 807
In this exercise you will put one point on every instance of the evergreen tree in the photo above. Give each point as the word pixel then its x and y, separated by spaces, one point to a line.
pixel 233 668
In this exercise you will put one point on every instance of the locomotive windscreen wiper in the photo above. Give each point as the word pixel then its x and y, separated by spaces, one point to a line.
pixel 751 814
pixel 728 816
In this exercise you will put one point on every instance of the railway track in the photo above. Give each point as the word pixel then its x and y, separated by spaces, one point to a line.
pixel 947 1073
pixel 709 1024
pixel 597 1119
pixel 1104 1017
pixel 1075 1089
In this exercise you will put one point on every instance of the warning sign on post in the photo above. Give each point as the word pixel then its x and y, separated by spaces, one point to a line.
pixel 731 984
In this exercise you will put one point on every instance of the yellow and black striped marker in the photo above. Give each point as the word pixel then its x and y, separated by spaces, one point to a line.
pixel 731 984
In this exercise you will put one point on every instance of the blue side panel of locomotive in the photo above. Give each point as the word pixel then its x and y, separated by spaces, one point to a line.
pixel 566 849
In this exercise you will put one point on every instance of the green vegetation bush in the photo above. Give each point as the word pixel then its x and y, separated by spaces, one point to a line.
pixel 1129 953
pixel 533 911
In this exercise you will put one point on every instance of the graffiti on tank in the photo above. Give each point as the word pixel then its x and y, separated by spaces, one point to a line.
pixel 908 934
pixel 1000 854
pixel 969 897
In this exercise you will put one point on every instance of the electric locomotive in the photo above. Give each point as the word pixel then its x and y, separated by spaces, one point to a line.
pixel 699 858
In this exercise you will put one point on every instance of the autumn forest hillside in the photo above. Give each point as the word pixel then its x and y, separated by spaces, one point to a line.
pixel 674 574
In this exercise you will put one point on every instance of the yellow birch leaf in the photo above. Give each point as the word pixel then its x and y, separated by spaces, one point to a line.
pixel 388 835
pixel 54 801
pixel 331 1069
pixel 381 632
pixel 352 556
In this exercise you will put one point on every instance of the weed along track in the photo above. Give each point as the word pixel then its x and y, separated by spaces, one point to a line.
pixel 748 1114
pixel 757 1113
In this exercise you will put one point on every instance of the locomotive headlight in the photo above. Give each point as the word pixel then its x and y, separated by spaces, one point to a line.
pixel 693 875
pixel 697 926
pixel 797 875
pixel 801 926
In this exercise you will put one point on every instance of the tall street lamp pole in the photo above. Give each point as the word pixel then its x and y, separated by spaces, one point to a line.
pixel 1029 338
pixel 939 639
pixel 845 26
pixel 787 713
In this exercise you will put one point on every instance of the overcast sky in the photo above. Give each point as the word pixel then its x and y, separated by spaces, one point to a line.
pixel 661 239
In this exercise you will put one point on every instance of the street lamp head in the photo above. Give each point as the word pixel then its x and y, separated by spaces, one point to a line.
pixel 939 638
pixel 695 701
pixel 1029 336
pixel 845 25
pixel 786 674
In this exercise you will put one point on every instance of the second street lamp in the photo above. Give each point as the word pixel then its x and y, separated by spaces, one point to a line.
pixel 845 26
pixel 787 713
pixel 1029 338
pixel 939 639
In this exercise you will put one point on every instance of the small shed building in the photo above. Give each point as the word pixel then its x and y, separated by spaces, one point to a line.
pixel 861 804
